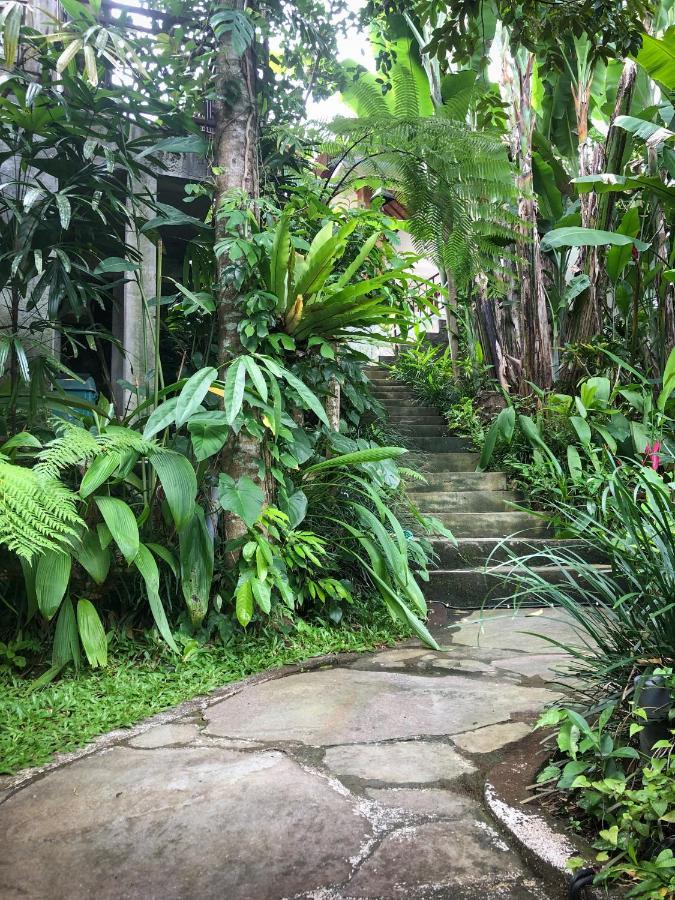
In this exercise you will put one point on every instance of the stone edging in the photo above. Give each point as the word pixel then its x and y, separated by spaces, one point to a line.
pixel 537 834
pixel 12 783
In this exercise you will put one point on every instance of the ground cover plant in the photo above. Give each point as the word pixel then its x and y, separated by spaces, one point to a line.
pixel 141 678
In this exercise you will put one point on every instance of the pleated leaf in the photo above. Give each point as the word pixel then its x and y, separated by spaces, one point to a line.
pixel 121 522
pixel 179 482
pixel 92 634
pixel 51 581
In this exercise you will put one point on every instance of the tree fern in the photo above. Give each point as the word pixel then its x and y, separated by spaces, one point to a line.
pixel 456 183
pixel 36 513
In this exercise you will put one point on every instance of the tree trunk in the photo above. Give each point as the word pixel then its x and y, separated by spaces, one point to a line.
pixel 487 324
pixel 450 304
pixel 535 334
pixel 584 321
pixel 236 164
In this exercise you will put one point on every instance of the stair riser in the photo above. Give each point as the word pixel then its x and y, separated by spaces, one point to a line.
pixel 445 444
pixel 419 430
pixel 410 420
pixel 476 552
pixel 448 462
pixel 471 589
pixel 460 481
pixel 465 501
pixel 495 524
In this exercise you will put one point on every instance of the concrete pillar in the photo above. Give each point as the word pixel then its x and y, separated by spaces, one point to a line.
pixel 133 320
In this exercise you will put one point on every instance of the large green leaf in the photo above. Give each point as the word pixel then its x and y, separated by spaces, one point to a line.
pixel 146 565
pixel 121 522
pixel 363 254
pixel 244 599
pixel 66 641
pixel 235 382
pixel 179 483
pixel 99 471
pixel 668 382
pixel 585 237
pixel 92 634
pixel 501 429
pixel 51 581
pixel 94 558
pixel 244 497
pixel 160 418
pixel 308 397
pixel 657 58
pixel 356 458
pixel 196 565
pixel 208 430
pixel 650 132
pixel 194 391
pixel 281 254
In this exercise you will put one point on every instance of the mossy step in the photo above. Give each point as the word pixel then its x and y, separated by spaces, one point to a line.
pixel 409 417
pixel 433 502
pixel 447 462
pixel 459 481
pixel 415 430
pixel 439 444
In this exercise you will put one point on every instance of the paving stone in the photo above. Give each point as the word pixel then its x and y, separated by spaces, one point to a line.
pixel 497 629
pixel 343 706
pixel 394 659
pixel 463 665
pixel 177 823
pixel 493 737
pixel 164 736
pixel 401 762
pixel 444 859
pixel 428 802
pixel 535 665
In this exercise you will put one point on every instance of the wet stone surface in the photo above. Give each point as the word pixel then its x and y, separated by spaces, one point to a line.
pixel 361 781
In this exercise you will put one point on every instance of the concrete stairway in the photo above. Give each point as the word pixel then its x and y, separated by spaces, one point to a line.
pixel 475 506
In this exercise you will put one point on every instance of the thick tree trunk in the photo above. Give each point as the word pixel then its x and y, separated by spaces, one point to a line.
pixel 236 164
pixel 535 333
pixel 485 315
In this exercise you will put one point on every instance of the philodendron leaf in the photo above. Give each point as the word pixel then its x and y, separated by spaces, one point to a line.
pixel 235 382
pixel 208 430
pixel 92 633
pixel 121 522
pixel 163 416
pixel 244 599
pixel 194 391
pixel 244 498
pixel 51 581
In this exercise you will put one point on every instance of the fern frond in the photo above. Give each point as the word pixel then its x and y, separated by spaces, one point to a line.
pixel 36 514
pixel 76 446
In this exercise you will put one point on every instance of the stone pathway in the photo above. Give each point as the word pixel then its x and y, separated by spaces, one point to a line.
pixel 355 781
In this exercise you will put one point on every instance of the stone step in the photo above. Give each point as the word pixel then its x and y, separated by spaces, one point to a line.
pixel 474 588
pixel 386 389
pixel 410 417
pixel 433 502
pixel 448 462
pixel 459 481
pixel 415 430
pixel 439 444
pixel 404 406
pixel 468 553
pixel 380 375
pixel 495 524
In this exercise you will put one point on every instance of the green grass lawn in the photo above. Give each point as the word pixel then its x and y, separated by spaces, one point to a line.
pixel 141 680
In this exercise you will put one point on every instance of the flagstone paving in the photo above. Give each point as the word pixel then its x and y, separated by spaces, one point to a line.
pixel 355 781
